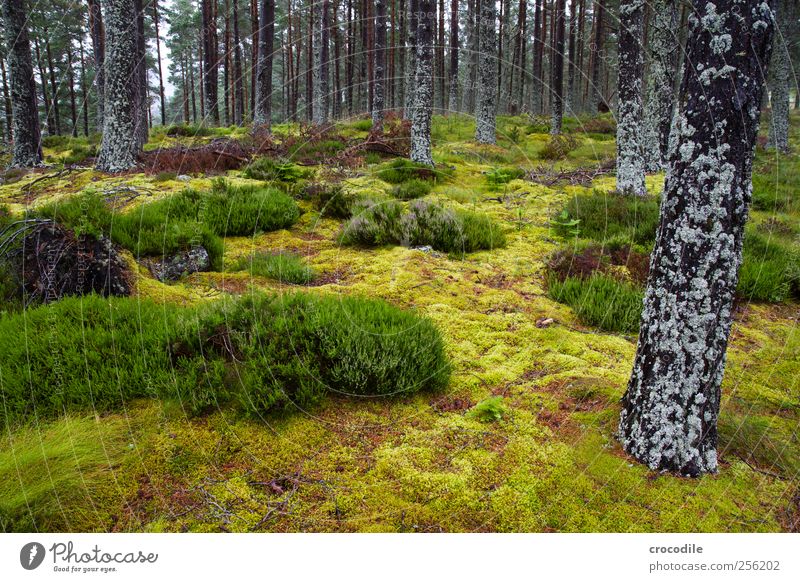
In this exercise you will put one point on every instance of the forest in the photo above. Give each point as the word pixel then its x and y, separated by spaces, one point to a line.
pixel 399 266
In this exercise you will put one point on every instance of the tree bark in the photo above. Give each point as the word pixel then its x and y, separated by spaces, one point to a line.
pixel 98 50
pixel 423 85
pixel 780 69
pixel 411 67
pixel 537 89
pixel 378 96
pixel 630 159
pixel 120 143
pixel 454 32
pixel 660 84
pixel 486 109
pixel 210 61
pixel 160 69
pixel 27 150
pixel 53 87
pixel 320 77
pixel 596 52
pixel 262 116
pixel 670 410
pixel 7 101
pixel 557 69
pixel 142 102
pixel 238 83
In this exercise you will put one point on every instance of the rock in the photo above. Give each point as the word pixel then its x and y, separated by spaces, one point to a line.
pixel 183 178
pixel 180 264
pixel 545 322
pixel 424 249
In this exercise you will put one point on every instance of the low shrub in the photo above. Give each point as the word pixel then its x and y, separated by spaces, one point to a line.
pixel 603 124
pixel 246 210
pixel 55 141
pixel 424 223
pixel 770 269
pixel 411 189
pixel 489 410
pixel 267 352
pixel 165 176
pixel 189 130
pixel 401 170
pixel 276 170
pixel 602 216
pixel 362 124
pixel 558 146
pixel 584 260
pixel 283 267
pixel 332 200
pixel 316 151
pixel 500 176
pixel 600 301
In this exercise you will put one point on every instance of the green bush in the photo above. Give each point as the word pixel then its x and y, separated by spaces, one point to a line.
pixel 401 170
pixel 558 146
pixel 489 410
pixel 165 176
pixel 55 141
pixel 411 189
pixel 283 267
pixel 267 352
pixel 332 200
pixel 604 216
pixel 424 223
pixel 246 210
pixel 189 130
pixel 500 176
pixel 362 124
pixel 276 170
pixel 600 301
pixel 777 191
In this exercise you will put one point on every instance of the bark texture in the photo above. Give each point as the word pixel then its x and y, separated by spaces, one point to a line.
pixel 321 94
pixel 120 143
pixel 557 70
pixel 99 53
pixel 378 95
pixel 27 150
pixel 486 107
pixel 262 116
pixel 411 66
pixel 780 71
pixel 664 49
pixel 630 160
pixel 670 409
pixel 423 85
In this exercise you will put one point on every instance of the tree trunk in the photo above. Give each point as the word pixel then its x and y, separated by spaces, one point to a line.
pixel 630 159
pixel 411 67
pixel 573 38
pixel 471 73
pixel 142 102
pixel 73 108
pixel 84 92
pixel 780 70
pixel 378 96
pixel 27 150
pixel 120 143
pixel 210 62
pixel 557 69
pixel 160 70
pixel 321 94
pixel 7 102
pixel 669 412
pixel 660 84
pixel 537 88
pixel 238 110
pixel 595 53
pixel 51 122
pixel 262 116
pixel 486 109
pixel 53 87
pixel 441 96
pixel 423 85
pixel 227 82
pixel 454 32
pixel 98 50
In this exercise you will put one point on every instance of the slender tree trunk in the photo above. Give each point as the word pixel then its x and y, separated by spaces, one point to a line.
pixel 120 143
pixel 780 69
pixel 670 410
pixel 27 150
pixel 454 32
pixel 227 80
pixel 378 96
pixel 238 115
pixel 423 85
pixel 577 99
pixel 210 62
pixel 73 108
pixel 660 84
pixel 470 76
pixel 321 39
pixel 84 93
pixel 7 101
pixel 162 100
pixel 53 86
pixel 98 34
pixel 142 101
pixel 51 122
pixel 630 158
pixel 351 59
pixel 255 26
pixel 262 115
pixel 573 34
pixel 411 67
pixel 441 93
pixel 596 51
pixel 337 52
pixel 486 109
pixel 537 90
pixel 557 69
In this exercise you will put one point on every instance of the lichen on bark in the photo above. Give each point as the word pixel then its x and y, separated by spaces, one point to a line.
pixel 423 90
pixel 670 409
pixel 486 107
pixel 630 160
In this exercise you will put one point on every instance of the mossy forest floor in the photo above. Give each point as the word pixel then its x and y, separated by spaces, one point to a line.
pixel 542 457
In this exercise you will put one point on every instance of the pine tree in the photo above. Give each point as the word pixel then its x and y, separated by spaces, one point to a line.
pixel 378 96
pixel 660 84
pixel 557 69
pixel 423 85
pixel 630 159
pixel 120 144
pixel 780 71
pixel 670 409
pixel 262 116
pixel 486 108
pixel 27 150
